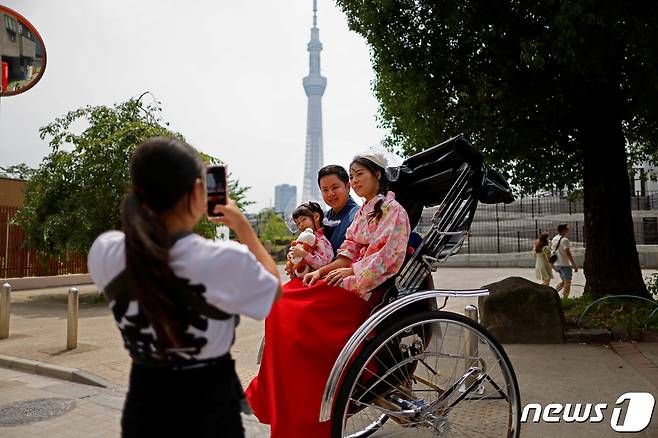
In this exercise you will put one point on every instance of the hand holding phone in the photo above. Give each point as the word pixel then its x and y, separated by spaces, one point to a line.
pixel 217 187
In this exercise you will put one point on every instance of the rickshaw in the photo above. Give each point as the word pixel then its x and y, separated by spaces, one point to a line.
pixel 412 368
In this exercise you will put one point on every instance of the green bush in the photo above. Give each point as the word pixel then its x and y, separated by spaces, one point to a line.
pixel 626 312
pixel 76 192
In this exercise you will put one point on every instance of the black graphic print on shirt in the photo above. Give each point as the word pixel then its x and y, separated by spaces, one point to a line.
pixel 192 310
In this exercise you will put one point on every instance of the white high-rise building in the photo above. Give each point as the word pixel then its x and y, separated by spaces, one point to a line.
pixel 285 199
pixel 314 85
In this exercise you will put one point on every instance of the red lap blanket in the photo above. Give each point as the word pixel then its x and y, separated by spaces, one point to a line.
pixel 304 333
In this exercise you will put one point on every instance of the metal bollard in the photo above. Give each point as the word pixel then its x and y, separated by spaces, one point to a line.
pixel 471 312
pixel 5 301
pixel 72 320
pixel 471 344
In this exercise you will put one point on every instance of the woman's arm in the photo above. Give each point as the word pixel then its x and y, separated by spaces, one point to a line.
pixel 248 237
pixel 340 262
pixel 235 220
pixel 312 277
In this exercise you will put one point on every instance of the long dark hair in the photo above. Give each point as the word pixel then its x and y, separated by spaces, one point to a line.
pixel 383 184
pixel 162 170
pixel 308 209
pixel 541 242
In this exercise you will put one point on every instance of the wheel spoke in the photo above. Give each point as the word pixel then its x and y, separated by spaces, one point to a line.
pixel 433 375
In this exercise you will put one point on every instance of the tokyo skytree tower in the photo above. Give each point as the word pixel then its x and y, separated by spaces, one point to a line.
pixel 314 85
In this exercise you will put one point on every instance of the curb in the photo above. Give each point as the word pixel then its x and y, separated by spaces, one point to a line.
pixel 75 375
pixel 587 336
pixel 638 361
pixel 47 282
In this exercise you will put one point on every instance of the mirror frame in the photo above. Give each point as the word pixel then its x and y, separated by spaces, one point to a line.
pixel 32 29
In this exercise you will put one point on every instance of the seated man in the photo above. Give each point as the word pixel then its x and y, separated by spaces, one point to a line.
pixel 335 188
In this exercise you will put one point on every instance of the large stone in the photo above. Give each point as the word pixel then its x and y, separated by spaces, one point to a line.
pixel 518 311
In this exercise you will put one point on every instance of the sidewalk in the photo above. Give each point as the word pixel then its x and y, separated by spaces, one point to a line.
pixel 36 406
pixel 567 373
pixel 556 373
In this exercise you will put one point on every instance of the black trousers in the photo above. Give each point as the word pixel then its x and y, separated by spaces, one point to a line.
pixel 183 402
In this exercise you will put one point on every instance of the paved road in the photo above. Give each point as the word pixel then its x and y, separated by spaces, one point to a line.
pixel 568 373
pixel 547 373
pixel 38 325
pixel 36 407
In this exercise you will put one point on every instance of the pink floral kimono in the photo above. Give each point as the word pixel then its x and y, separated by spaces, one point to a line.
pixel 376 248
pixel 323 254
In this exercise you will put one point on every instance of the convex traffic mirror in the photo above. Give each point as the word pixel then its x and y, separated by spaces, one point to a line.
pixel 22 53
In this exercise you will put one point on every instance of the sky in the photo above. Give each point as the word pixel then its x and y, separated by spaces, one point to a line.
pixel 228 73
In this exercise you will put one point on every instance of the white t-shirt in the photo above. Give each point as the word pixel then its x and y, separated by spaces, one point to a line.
pixel 215 274
pixel 562 259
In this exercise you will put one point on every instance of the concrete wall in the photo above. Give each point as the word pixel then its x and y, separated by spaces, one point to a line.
pixel 648 255
pixel 26 283
pixel 648 260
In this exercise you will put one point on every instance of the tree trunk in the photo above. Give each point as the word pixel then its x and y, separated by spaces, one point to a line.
pixel 611 260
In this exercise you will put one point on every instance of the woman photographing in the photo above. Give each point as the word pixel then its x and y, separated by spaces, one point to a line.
pixel 175 295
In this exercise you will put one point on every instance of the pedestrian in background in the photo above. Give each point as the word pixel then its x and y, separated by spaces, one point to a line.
pixel 542 252
pixel 564 263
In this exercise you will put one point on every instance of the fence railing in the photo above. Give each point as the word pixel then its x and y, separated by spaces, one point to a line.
pixel 16 261
pixel 499 228
pixel 539 206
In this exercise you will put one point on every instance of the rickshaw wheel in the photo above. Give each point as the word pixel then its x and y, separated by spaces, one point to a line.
pixel 439 373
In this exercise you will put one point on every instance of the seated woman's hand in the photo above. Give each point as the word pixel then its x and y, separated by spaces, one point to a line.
pixel 311 278
pixel 335 277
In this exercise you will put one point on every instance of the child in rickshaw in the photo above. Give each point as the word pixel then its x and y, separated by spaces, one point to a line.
pixel 309 326
pixel 304 256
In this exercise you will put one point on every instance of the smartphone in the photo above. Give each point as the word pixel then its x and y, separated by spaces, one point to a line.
pixel 217 187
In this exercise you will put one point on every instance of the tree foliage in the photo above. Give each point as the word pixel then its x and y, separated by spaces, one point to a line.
pixel 556 93
pixel 18 171
pixel 514 76
pixel 274 227
pixel 76 192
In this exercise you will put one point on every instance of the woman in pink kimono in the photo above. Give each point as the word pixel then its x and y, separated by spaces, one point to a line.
pixel 310 324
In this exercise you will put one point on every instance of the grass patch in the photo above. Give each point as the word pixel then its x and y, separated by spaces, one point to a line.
pixel 613 312
pixel 93 298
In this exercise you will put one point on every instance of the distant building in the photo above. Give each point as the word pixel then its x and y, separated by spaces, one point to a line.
pixel 11 192
pixel 642 180
pixel 285 199
pixel 20 50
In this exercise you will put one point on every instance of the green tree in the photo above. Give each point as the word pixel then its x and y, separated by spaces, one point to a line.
pixel 556 93
pixel 20 171
pixel 76 192
pixel 274 227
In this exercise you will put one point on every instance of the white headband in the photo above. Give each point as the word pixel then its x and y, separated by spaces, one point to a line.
pixel 378 159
